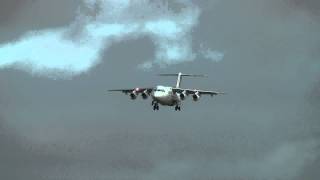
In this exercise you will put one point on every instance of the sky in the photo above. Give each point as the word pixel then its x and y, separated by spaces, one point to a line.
pixel 58 58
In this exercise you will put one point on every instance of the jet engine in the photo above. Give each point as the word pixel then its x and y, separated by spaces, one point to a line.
pixel 182 95
pixel 144 95
pixel 196 96
pixel 133 95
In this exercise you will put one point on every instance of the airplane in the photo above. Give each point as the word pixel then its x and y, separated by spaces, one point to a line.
pixel 167 95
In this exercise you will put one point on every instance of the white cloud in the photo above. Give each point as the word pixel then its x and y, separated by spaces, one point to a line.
pixel 48 49
pixel 54 49
pixel 146 65
pixel 215 56
pixel 51 50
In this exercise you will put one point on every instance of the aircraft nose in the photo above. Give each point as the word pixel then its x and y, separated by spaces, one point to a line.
pixel 155 94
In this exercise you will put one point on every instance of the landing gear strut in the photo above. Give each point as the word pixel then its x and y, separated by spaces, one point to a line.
pixel 155 106
pixel 177 108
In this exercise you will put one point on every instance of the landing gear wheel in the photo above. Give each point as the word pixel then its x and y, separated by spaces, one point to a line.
pixel 177 108
pixel 155 107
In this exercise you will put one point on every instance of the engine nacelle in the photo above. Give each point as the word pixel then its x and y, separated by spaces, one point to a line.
pixel 182 95
pixel 133 95
pixel 196 96
pixel 145 95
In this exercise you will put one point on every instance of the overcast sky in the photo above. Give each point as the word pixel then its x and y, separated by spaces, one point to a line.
pixel 58 58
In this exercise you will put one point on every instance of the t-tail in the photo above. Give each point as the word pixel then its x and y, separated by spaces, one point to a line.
pixel 180 75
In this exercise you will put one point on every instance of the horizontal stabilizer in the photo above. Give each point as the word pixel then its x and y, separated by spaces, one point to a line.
pixel 177 74
pixel 180 75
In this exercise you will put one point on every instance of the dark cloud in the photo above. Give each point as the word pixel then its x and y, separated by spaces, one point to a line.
pixel 311 6
pixel 266 127
pixel 18 17
pixel 9 8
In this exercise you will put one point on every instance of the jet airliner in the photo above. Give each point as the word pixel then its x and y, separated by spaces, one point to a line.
pixel 167 95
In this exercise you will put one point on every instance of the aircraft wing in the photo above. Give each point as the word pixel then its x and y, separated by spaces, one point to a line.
pixel 193 91
pixel 138 90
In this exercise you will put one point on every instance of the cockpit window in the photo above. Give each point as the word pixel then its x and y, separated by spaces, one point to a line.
pixel 161 90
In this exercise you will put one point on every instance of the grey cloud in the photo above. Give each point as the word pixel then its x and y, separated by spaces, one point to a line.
pixel 284 162
pixel 310 6
pixel 9 8
pixel 266 127
pixel 21 16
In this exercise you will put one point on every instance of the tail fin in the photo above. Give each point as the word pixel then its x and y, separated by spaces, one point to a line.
pixel 180 77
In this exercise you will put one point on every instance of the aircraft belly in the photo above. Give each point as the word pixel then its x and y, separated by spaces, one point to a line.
pixel 166 100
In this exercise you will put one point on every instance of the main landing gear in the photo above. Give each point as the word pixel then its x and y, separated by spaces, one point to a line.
pixel 155 105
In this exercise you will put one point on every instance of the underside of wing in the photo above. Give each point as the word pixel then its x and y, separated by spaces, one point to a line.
pixel 133 93
pixel 121 90
pixel 196 91
pixel 138 90
pixel 196 94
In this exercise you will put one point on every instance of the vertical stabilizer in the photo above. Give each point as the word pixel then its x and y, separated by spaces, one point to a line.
pixel 178 80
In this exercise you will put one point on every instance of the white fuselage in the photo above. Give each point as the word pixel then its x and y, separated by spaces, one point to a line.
pixel 165 96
